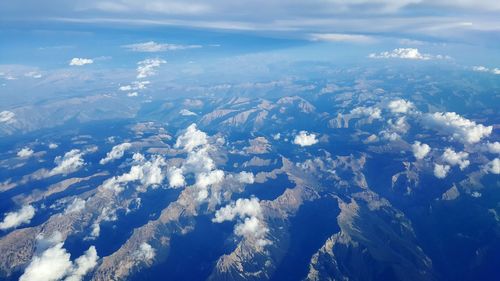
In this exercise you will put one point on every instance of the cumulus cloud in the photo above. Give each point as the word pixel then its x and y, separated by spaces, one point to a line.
pixel 53 145
pixel 25 152
pixel 493 147
pixel 461 129
pixel 191 138
pixel 496 71
pixel 15 219
pixel 246 177
pixel 145 253
pixel 7 117
pixel 80 61
pixel 33 74
pixel 305 139
pixel 148 67
pixel 456 158
pixel 54 264
pixel 405 53
pixel 441 171
pixel 371 112
pixel 249 215
pixel 400 106
pixel 175 177
pixel 148 173
pixel 71 162
pixel 152 47
pixel 420 150
pixel 134 86
pixel 493 166
pixel 205 180
pixel 116 152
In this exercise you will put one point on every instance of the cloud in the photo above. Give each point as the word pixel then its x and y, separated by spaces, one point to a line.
pixel 246 177
pixel 185 112
pixel 53 145
pixel 485 69
pixel 420 150
pixel 54 264
pixel 205 180
pixel 148 67
pixel 400 106
pixel 80 61
pixel 440 171
pixel 116 152
pixel 249 213
pixel 405 53
pixel 134 86
pixel 456 158
pixel 341 37
pixel 493 166
pixel 493 147
pixel 371 112
pixel 76 206
pixel 175 177
pixel 460 128
pixel 15 219
pixel 7 117
pixel 305 139
pixel 25 152
pixel 152 47
pixel 148 173
pixel 71 162
pixel 480 69
pixel 191 138
pixel 33 74
pixel 145 252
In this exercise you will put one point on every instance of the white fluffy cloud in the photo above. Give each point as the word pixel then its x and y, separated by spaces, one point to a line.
pixel 493 147
pixel 148 173
pixel 406 53
pixel 53 145
pixel 152 47
pixel 460 128
pixel 191 138
pixel 250 225
pixel 175 177
pixel 205 180
pixel 145 252
pixel 420 150
pixel 456 158
pixel 25 152
pixel 54 264
pixel 15 219
pixel 371 112
pixel 246 177
pixel 400 106
pixel 7 116
pixel 116 152
pixel 71 162
pixel 148 67
pixel 80 61
pixel 441 171
pixel 305 139
pixel 493 166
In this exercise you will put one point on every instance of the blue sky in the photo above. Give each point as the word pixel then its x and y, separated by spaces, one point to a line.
pixel 231 41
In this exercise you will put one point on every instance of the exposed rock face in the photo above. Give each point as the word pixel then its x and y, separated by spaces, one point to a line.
pixel 374 237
